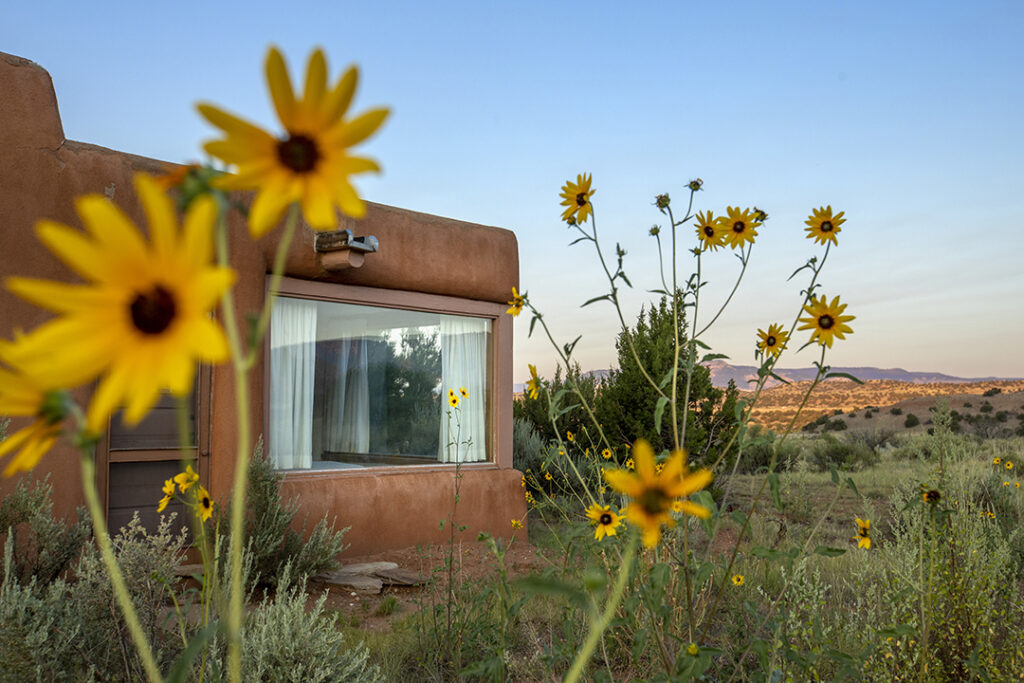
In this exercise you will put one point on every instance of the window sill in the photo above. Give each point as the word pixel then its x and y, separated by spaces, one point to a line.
pixel 384 470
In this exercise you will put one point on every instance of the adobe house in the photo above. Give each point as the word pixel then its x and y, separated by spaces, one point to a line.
pixel 374 323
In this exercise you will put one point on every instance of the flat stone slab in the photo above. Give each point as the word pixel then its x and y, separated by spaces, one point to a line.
pixel 365 567
pixel 370 577
pixel 400 577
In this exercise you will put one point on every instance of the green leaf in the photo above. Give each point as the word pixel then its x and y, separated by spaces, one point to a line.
pixel 712 356
pixel 897 631
pixel 739 517
pixel 853 487
pixel 579 239
pixel 533 321
pixel 659 411
pixel 701 344
pixel 625 279
pixel 829 551
pixel 844 375
pixel 182 666
pixel 773 485
pixel 665 379
pixel 545 585
pixel 606 297
pixel 834 472
pixel 781 379
pixel 705 498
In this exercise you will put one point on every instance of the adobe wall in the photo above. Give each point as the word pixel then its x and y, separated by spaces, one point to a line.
pixel 40 175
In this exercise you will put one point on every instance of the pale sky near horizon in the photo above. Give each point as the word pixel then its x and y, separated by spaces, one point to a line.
pixel 907 116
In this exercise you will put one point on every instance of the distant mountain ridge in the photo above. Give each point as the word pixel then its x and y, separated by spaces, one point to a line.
pixel 722 372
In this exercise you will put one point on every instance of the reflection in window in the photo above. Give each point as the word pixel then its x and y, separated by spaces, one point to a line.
pixel 353 386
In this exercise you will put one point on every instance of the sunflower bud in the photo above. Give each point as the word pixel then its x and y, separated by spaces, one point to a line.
pixel 695 185
pixel 570 221
pixel 759 215
pixel 662 201
pixel 654 231
pixel 55 407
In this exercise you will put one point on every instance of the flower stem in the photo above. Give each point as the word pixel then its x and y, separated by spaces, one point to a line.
pixel 117 583
pixel 597 628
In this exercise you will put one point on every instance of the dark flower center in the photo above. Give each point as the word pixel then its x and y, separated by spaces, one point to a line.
pixel 153 312
pixel 738 227
pixel 206 503
pixel 606 519
pixel 581 199
pixel 299 153
pixel 709 230
pixel 932 496
pixel 864 533
pixel 770 341
pixel 825 321
pixel 653 501
pixel 826 226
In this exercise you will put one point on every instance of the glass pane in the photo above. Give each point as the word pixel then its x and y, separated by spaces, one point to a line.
pixel 354 386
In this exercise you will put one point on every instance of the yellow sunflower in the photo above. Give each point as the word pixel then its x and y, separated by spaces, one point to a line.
pixel 576 198
pixel 826 319
pixel 605 521
pixel 23 396
pixel 708 230
pixel 738 227
pixel 823 226
pixel 453 398
pixel 606 453
pixel 205 503
pixel 143 319
pixel 168 495
pixel 464 392
pixel 533 386
pixel 863 536
pixel 186 479
pixel 738 579
pixel 516 303
pixel 1008 465
pixel 774 340
pixel 996 461
pixel 310 162
pixel 652 494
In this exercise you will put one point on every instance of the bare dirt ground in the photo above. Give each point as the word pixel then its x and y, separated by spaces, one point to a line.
pixel 472 563
pixel 776 406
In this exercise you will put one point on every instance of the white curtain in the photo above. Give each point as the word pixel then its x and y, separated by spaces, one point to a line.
pixel 464 365
pixel 292 364
pixel 347 398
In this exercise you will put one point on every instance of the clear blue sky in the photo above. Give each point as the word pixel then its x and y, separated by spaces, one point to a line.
pixel 907 116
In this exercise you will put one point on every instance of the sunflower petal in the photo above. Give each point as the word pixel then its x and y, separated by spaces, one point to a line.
pixel 691 483
pixel 348 200
pixel 197 240
pixel 363 126
pixel 238 130
pixel 280 85
pixel 624 482
pixel 338 100
pixel 694 509
pixel 267 209
pixel 75 249
pixel 316 79
pixel 159 214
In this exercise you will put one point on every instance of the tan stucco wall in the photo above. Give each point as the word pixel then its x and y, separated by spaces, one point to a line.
pixel 40 175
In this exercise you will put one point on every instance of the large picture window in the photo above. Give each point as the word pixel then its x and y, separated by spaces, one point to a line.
pixel 352 385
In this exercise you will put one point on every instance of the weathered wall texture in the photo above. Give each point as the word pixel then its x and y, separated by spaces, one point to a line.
pixel 40 175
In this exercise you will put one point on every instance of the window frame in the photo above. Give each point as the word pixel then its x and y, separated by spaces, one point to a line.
pixel 499 344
